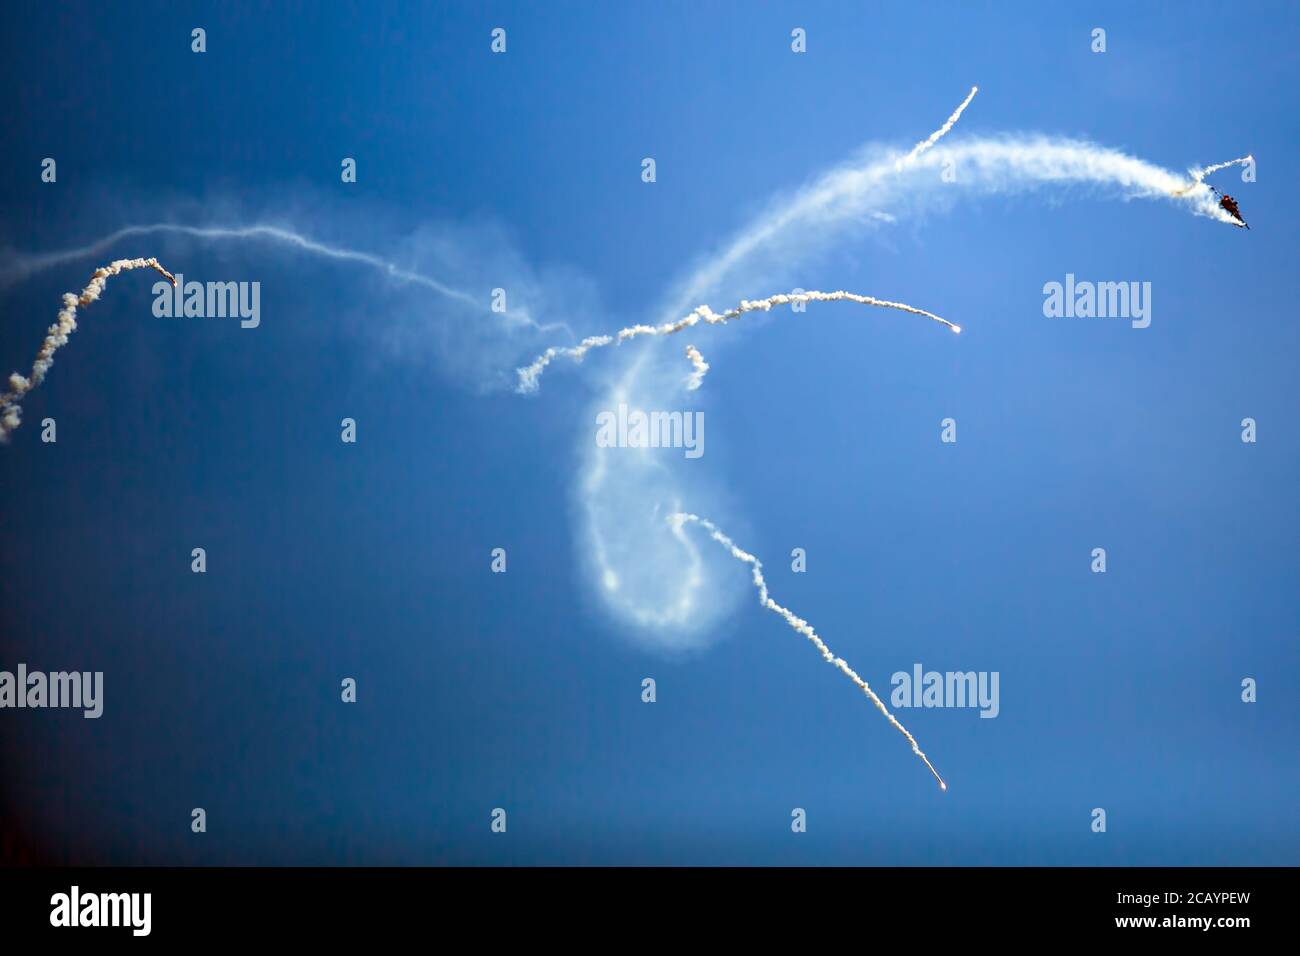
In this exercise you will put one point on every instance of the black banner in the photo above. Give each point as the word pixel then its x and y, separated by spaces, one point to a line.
pixel 333 905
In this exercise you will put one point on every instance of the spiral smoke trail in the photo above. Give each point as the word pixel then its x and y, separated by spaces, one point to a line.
pixel 529 374
pixel 679 519
pixel 57 336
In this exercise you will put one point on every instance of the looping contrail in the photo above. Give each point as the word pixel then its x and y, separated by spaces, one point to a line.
pixel 529 375
pixel 57 336
pixel 679 519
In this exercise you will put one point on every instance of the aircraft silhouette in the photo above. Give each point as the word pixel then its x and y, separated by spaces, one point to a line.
pixel 1229 205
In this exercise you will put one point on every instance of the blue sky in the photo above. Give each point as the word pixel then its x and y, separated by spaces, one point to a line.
pixel 522 690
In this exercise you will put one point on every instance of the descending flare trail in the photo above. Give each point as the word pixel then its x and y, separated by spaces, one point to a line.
pixel 57 336
pixel 679 519
pixel 529 375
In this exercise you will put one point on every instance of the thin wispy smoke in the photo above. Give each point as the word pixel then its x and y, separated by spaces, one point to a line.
pixel 57 336
pixel 699 368
pixel 529 375
pixel 679 519
pixel 24 266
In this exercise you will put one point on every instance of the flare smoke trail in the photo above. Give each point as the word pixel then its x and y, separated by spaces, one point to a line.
pixel 529 375
pixel 679 519
pixel 699 366
pixel 1198 175
pixel 57 336
pixel 938 134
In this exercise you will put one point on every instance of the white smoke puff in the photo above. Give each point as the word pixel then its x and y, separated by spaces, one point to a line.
pixel 57 336
pixel 699 368
pixel 679 519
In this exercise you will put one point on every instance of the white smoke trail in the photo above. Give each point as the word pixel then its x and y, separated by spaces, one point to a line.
pixel 678 519
pixel 699 368
pixel 529 375
pixel 25 266
pixel 57 336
